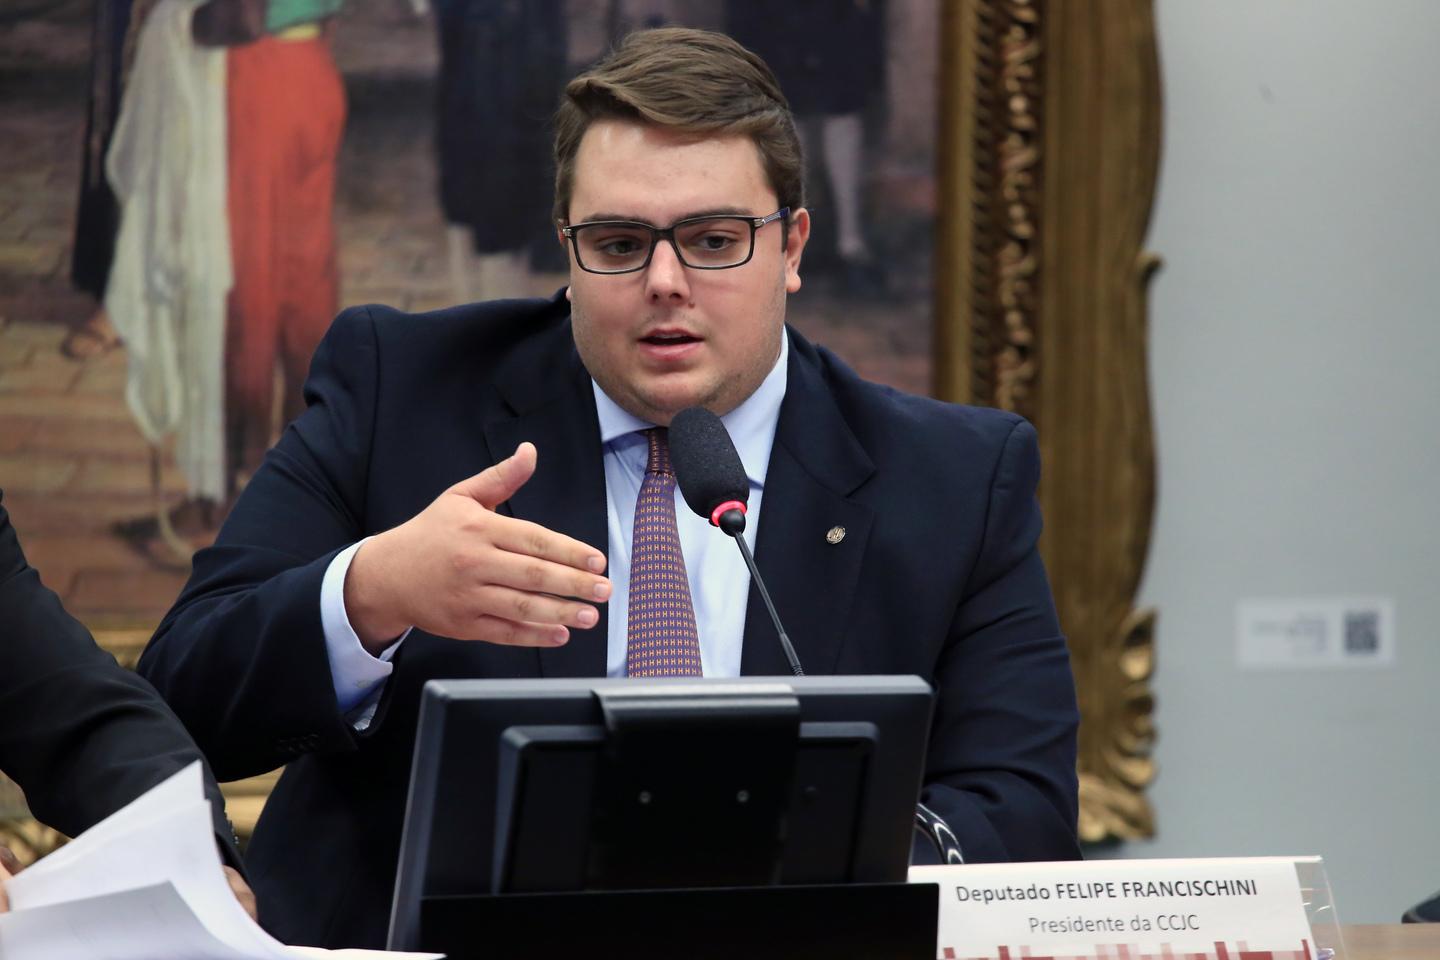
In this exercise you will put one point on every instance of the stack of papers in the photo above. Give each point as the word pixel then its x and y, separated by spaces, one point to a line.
pixel 143 884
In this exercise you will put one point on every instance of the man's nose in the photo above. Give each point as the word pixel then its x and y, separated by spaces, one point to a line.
pixel 666 278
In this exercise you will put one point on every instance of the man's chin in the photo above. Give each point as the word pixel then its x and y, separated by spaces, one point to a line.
pixel 663 401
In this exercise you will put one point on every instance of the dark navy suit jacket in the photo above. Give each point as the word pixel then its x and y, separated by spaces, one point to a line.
pixel 81 735
pixel 938 575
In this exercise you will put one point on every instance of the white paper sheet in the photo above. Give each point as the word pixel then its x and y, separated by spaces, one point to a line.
pixel 148 923
pixel 187 784
pixel 145 883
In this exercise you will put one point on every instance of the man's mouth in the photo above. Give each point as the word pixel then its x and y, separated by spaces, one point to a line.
pixel 669 339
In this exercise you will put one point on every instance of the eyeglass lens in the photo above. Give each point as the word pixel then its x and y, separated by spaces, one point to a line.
pixel 721 242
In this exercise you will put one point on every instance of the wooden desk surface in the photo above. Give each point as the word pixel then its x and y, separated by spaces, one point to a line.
pixel 1392 941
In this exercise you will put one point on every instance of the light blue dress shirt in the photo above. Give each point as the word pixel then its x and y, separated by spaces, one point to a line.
pixel 719 580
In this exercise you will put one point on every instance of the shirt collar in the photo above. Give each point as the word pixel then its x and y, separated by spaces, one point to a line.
pixel 751 425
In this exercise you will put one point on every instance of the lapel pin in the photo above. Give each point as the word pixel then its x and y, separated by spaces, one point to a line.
pixel 835 534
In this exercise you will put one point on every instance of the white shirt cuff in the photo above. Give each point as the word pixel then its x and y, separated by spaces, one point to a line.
pixel 355 673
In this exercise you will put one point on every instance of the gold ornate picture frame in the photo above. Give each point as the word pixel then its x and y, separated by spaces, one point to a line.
pixel 1048 155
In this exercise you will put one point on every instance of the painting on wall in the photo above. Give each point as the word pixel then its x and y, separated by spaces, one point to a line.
pixel 190 190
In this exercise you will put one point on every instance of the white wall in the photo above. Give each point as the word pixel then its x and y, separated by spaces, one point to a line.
pixel 1295 364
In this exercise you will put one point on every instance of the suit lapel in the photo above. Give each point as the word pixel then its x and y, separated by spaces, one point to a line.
pixel 549 390
pixel 812 574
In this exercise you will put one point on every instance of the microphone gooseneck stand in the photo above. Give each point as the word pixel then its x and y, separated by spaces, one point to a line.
pixel 732 521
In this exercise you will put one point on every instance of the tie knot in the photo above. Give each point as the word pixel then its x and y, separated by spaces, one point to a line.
pixel 659 439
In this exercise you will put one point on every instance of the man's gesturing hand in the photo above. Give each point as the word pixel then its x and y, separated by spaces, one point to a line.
pixel 459 569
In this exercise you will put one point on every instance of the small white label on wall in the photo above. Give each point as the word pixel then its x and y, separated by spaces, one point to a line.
pixel 1325 632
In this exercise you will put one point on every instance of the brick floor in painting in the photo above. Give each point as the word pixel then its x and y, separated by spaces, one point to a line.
pixel 71 464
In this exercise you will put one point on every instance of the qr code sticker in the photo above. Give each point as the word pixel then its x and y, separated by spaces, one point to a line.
pixel 1362 632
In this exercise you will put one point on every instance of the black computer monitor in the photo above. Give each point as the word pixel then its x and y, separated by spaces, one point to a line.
pixel 526 786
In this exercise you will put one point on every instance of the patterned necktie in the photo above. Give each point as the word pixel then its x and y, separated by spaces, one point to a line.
pixel 663 641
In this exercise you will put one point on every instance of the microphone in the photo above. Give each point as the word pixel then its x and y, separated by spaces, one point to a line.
pixel 713 482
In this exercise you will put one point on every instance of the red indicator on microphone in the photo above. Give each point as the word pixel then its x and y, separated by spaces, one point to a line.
pixel 727 505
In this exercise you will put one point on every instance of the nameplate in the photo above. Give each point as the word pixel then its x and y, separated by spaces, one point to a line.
pixel 1221 909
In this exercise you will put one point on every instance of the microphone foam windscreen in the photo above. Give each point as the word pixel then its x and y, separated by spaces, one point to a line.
pixel 707 468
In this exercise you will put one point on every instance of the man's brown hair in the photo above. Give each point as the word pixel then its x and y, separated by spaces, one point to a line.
pixel 695 81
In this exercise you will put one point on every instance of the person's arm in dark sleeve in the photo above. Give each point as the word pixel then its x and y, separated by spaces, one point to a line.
pixel 80 734
pixel 241 657
pixel 1001 766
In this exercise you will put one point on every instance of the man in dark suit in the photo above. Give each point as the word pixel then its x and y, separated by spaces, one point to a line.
pixel 461 480
pixel 81 735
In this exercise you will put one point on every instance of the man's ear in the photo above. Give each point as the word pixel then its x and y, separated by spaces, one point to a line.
pixel 796 236
pixel 560 235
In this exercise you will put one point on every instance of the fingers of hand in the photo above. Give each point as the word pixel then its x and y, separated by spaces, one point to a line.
pixel 526 556
pixel 577 565
pixel 493 486
pixel 543 577
pixel 9 866
pixel 497 578
pixel 539 609
pixel 514 633
pixel 242 891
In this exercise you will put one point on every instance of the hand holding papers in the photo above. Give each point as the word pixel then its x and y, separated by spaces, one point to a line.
pixel 145 883
pixel 8 868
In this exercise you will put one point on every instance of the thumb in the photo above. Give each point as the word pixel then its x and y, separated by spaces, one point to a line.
pixel 494 486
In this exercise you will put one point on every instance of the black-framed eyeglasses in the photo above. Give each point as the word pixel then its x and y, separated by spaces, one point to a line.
pixel 704 243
